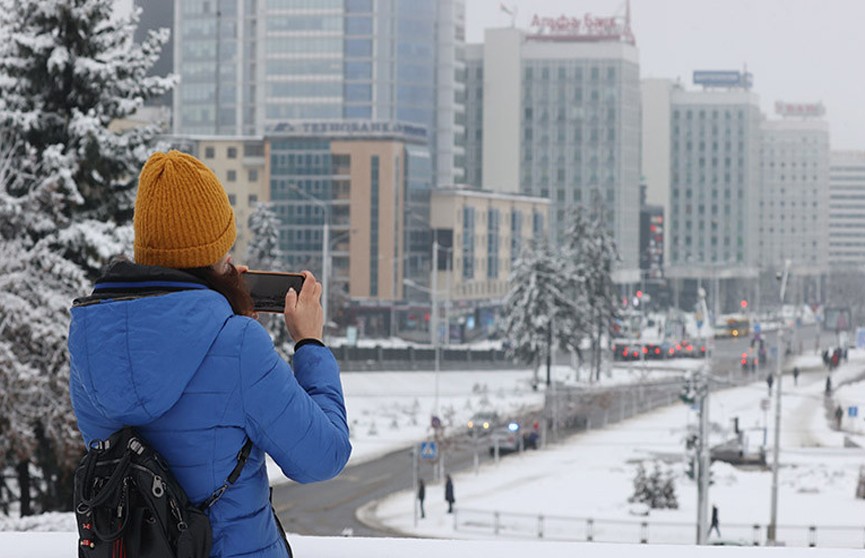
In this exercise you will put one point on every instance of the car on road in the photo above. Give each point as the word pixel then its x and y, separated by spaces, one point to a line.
pixel 483 422
pixel 507 438
pixel 511 439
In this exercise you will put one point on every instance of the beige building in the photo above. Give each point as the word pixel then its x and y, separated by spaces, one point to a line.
pixel 367 218
pixel 241 166
pixel 370 183
pixel 484 232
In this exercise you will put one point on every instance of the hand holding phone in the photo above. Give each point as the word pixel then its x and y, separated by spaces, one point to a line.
pixel 268 288
pixel 304 317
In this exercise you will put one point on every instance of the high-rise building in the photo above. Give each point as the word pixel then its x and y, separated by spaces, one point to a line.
pixel 474 129
pixel 714 184
pixel 561 120
pixel 794 202
pixel 158 14
pixel 247 66
pixel 847 208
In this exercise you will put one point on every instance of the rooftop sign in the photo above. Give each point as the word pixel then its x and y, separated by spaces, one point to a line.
pixel 723 78
pixel 808 110
pixel 351 128
pixel 586 28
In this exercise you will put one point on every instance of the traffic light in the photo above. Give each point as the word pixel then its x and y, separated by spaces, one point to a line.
pixel 688 394
pixel 744 304
pixel 639 294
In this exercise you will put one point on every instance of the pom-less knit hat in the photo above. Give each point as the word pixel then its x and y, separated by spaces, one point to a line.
pixel 182 214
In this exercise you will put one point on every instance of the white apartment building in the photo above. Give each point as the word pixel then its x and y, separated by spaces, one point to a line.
pixel 847 208
pixel 560 119
pixel 714 184
pixel 794 201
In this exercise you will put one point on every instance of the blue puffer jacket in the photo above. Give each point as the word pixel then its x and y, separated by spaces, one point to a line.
pixel 196 380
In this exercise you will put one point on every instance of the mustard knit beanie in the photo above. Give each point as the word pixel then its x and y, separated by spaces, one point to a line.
pixel 182 214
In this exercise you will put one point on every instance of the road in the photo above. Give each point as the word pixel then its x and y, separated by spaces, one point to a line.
pixel 328 508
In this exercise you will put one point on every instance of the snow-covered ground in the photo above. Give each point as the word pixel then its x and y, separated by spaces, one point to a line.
pixel 591 476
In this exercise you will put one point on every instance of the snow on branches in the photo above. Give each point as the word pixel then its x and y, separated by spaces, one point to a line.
pixel 561 296
pixel 69 69
pixel 263 251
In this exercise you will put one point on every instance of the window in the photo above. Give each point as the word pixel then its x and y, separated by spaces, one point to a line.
pixel 232 199
pixel 231 176
pixel 252 199
pixel 252 175
pixel 209 153
pixel 232 153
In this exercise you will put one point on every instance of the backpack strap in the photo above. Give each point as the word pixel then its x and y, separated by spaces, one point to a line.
pixel 242 457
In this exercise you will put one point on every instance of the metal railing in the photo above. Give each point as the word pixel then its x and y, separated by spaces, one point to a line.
pixel 646 531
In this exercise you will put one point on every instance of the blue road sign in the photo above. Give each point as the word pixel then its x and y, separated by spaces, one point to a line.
pixel 853 411
pixel 428 450
pixel 757 328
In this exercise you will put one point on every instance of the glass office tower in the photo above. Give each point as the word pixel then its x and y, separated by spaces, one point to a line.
pixel 247 66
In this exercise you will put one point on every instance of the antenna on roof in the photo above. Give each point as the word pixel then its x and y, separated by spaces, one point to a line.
pixel 511 11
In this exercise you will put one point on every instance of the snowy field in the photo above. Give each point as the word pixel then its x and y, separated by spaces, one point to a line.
pixel 590 476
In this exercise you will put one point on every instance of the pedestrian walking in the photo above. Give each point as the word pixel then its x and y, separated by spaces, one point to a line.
pixel 421 494
pixel 169 344
pixel 770 379
pixel 796 375
pixel 449 494
pixel 839 414
pixel 714 524
pixel 828 390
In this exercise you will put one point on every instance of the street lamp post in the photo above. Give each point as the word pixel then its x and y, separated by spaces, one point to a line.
pixel 703 457
pixel 434 322
pixel 772 531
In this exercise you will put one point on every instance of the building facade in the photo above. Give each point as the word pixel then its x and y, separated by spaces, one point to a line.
pixel 714 183
pixel 561 121
pixel 370 183
pixel 847 209
pixel 480 234
pixel 794 202
pixel 247 66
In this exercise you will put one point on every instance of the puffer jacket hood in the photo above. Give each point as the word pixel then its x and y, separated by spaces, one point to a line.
pixel 136 353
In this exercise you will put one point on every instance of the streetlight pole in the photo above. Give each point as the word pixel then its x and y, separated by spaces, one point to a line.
pixel 772 534
pixel 703 458
pixel 434 322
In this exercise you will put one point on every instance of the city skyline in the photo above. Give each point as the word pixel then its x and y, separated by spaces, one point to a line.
pixel 769 37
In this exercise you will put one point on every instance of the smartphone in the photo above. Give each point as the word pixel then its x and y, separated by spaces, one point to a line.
pixel 268 289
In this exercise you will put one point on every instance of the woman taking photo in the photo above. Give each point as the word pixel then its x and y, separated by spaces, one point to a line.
pixel 168 344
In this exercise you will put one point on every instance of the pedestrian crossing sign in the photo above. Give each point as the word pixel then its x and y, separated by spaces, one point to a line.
pixel 853 411
pixel 428 450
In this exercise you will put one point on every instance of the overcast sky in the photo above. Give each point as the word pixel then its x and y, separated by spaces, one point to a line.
pixel 798 50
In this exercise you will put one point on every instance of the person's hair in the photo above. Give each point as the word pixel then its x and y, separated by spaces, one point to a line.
pixel 229 284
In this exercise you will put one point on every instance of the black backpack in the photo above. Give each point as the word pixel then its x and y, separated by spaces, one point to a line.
pixel 128 504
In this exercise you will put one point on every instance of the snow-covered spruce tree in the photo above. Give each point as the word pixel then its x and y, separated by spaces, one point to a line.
pixel 641 486
pixel 68 69
pixel 263 251
pixel 537 303
pixel 592 251
pixel 37 423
